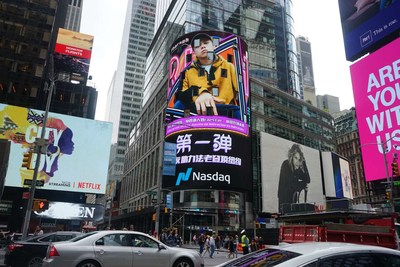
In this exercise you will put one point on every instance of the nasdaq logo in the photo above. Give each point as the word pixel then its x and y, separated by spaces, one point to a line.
pixel 183 176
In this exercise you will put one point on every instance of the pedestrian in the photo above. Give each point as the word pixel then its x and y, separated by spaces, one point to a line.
pixel 194 239
pixel 231 247
pixel 201 240
pixel 206 246
pixel 253 245
pixel 212 245
pixel 38 231
pixel 236 245
pixel 245 242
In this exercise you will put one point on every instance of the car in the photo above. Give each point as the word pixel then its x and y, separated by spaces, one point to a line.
pixel 313 254
pixel 119 248
pixel 31 252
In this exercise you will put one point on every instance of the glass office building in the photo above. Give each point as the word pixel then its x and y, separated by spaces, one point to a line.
pixel 267 28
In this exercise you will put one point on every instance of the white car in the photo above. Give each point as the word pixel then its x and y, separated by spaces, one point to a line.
pixel 319 254
pixel 119 249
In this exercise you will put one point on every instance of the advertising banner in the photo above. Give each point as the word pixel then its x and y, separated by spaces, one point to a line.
pixel 365 23
pixel 73 51
pixel 376 89
pixel 337 178
pixel 291 176
pixel 208 112
pixel 75 155
pixel 72 211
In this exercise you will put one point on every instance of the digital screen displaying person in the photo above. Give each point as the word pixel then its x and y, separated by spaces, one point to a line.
pixel 209 82
pixel 294 178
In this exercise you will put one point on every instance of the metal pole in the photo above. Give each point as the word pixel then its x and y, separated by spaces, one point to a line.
pixel 38 152
pixel 388 180
pixel 110 212
pixel 157 224
pixel 172 207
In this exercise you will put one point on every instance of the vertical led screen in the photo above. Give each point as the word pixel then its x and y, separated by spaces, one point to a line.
pixel 376 89
pixel 291 176
pixel 73 51
pixel 366 23
pixel 74 157
pixel 208 112
pixel 337 177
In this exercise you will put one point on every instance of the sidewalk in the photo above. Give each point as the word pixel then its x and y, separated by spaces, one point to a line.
pixel 220 255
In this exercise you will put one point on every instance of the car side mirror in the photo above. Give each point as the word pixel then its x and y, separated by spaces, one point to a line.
pixel 161 246
pixel 100 242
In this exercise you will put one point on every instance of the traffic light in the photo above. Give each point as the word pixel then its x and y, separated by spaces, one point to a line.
pixel 395 169
pixel 387 196
pixel 165 210
pixel 26 160
pixel 40 205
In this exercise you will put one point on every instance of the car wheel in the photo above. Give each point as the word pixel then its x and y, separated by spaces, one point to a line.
pixel 88 264
pixel 185 262
pixel 35 262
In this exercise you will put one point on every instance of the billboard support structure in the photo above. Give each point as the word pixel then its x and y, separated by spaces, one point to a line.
pixel 39 143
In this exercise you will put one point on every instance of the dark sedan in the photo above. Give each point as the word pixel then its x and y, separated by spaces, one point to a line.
pixel 30 253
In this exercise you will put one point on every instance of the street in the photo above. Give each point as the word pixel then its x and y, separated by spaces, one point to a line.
pixel 2 252
pixel 219 256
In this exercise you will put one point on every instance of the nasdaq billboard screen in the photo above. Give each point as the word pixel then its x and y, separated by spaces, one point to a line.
pixel 208 112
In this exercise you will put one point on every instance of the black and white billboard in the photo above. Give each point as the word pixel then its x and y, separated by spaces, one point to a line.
pixel 291 176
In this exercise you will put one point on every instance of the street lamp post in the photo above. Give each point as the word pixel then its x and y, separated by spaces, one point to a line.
pixel 388 178
pixel 39 143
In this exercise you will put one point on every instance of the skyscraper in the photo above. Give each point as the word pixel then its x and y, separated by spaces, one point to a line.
pixel 125 92
pixel 307 84
pixel 328 103
pixel 74 14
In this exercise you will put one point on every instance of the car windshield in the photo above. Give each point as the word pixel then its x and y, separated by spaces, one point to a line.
pixel 82 236
pixel 263 258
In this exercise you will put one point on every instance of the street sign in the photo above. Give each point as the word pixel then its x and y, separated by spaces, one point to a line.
pixel 151 192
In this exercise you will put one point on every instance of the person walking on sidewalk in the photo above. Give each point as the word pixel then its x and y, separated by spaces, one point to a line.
pixel 212 245
pixel 201 240
pixel 245 242
pixel 206 246
pixel 236 245
pixel 231 248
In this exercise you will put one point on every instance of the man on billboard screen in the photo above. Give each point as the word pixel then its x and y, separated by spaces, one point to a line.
pixel 207 115
pixel 209 84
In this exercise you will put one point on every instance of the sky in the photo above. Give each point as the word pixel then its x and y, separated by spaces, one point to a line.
pixel 318 20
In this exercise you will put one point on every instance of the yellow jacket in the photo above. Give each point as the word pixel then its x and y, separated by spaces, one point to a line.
pixel 222 77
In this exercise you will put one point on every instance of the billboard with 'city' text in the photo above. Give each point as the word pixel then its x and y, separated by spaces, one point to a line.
pixel 74 156
pixel 208 112
pixel 376 88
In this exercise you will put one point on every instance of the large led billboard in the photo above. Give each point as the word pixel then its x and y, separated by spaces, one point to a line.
pixel 376 89
pixel 73 51
pixel 75 156
pixel 337 179
pixel 365 23
pixel 72 211
pixel 208 112
pixel 291 176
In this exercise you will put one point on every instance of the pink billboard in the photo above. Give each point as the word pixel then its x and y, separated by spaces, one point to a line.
pixel 376 88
